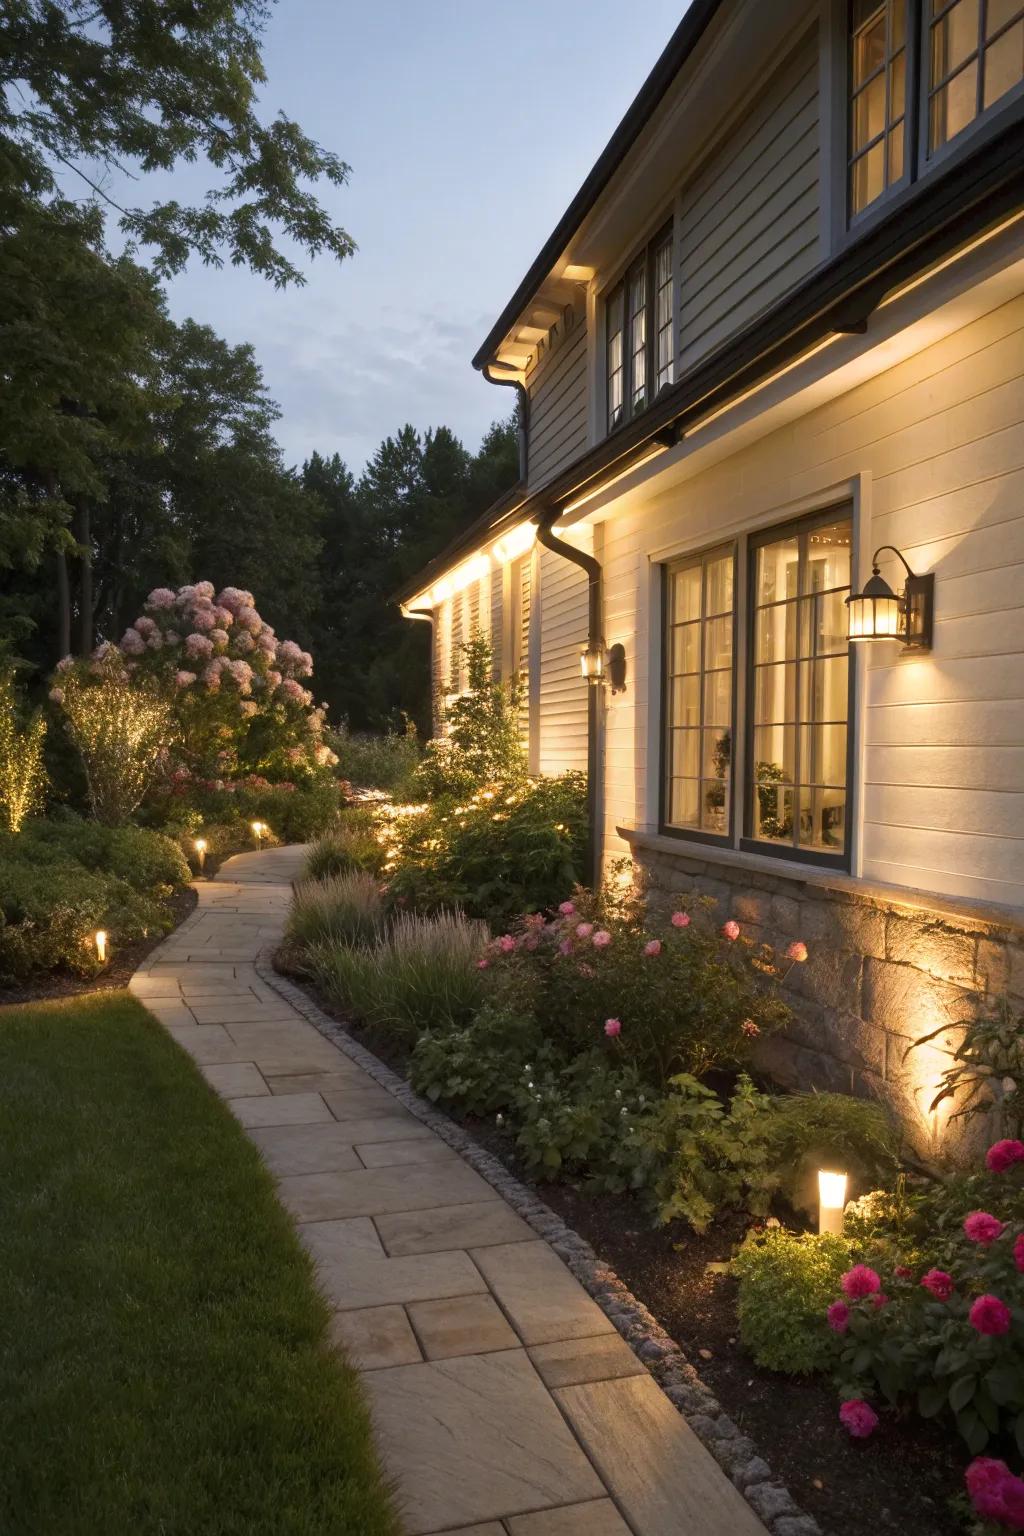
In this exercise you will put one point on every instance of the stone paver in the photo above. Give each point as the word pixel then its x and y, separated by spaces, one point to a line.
pixel 504 1402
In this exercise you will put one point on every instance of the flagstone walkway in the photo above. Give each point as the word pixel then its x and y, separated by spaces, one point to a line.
pixel 505 1404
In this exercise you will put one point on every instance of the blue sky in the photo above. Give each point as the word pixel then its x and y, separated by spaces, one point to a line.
pixel 468 125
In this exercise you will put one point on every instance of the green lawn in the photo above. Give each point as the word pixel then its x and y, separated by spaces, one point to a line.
pixel 163 1357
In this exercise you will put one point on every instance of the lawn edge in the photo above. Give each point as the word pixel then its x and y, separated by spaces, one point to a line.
pixel 662 1357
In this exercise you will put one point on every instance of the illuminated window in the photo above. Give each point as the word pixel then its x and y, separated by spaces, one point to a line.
pixel 976 55
pixel 798 688
pixel 698 693
pixel 638 329
pixel 878 99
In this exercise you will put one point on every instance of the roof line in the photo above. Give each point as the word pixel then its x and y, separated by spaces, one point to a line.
pixel 675 54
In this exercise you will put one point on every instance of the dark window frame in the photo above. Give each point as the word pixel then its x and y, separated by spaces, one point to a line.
pixel 793 853
pixel 643 262
pixel 669 568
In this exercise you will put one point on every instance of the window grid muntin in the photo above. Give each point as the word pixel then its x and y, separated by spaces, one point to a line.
pixel 892 136
pixel 976 60
pixel 700 825
pixel 639 342
pixel 803 721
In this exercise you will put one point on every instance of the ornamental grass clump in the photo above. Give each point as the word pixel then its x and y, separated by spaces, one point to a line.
pixel 344 909
pixel 22 772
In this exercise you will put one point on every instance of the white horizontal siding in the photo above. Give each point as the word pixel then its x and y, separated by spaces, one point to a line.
pixel 558 404
pixel 939 442
pixel 563 609
pixel 748 226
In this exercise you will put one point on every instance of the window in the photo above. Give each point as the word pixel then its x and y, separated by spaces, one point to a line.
pixel 939 65
pixel 976 52
pixel 798 688
pixel 878 91
pixel 638 329
pixel 699 676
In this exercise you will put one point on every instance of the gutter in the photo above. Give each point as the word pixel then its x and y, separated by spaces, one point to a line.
pixel 524 412
pixel 595 697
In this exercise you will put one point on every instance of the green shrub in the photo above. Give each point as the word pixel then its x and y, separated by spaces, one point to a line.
pixel 343 909
pixel 477 1069
pixel 378 762
pixel 422 974
pixel 120 725
pixel 50 912
pixel 351 843
pixel 149 861
pixel 831 1130
pixel 786 1282
pixel 504 851
pixel 987 1075
pixel 481 744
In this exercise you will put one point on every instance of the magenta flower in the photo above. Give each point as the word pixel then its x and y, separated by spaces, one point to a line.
pixel 797 951
pixel 838 1316
pixel 731 929
pixel 482 965
pixel 612 1027
pixel 939 1283
pixel 506 943
pixel 653 948
pixel 990 1316
pixel 601 939
pixel 1002 1155
pixel 860 1281
pixel 567 908
pixel 980 1227
pixel 858 1418
pixel 584 930
pixel 1018 1252
pixel 988 1482
pixel 680 919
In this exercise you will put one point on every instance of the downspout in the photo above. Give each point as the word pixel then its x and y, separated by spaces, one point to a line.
pixel 427 616
pixel 595 720
pixel 524 412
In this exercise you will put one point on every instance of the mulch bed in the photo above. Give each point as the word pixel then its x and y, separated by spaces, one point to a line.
pixel 124 962
pixel 900 1483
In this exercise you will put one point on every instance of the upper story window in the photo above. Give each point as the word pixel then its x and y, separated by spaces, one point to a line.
pixel 638 330
pixel 971 58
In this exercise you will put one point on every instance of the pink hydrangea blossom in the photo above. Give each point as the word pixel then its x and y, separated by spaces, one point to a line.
pixel 248 708
pixel 183 679
pixel 274 679
pixel 161 598
pixel 613 1028
pixel 731 929
pixel 266 642
pixel 155 641
pixel 838 1316
pixel 293 690
pixel 65 663
pixel 602 938
pixel 211 677
pixel 57 695
pixel 204 589
pixel 244 642
pixel 145 626
pixel 797 951
pixel 235 599
pixel 939 1283
pixel 653 947
pixel 198 646
pixel 132 642
pixel 860 1281
pixel 858 1418
pixel 981 1227
pixel 680 919
pixel 584 930
pixel 203 619
pixel 567 908
pixel 241 675
pixel 990 1316
pixel 565 948
pixel 225 618
pixel 219 637
pixel 171 637
pixel 1002 1155
pixel 249 620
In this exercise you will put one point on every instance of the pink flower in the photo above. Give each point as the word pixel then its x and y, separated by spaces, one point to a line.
pixel 995 1493
pixel 750 1028
pixel 680 919
pixel 565 948
pixel 584 930
pixel 939 1283
pixel 203 618
pixel 601 939
pixel 903 1272
pixel 197 646
pixel 1003 1154
pixel 1018 1253
pixel 65 663
pixel 482 965
pixel 155 641
pixel 160 597
pixel 838 1316
pixel 132 642
pixel 57 695
pixel 653 948
pixel 731 929
pixel 211 677
pixel 990 1316
pixel 219 637
pixel 145 626
pixel 612 1027
pixel 567 908
pixel 184 679
pixel 797 951
pixel 980 1227
pixel 224 617
pixel 880 1301
pixel 860 1281
pixel 531 942
pixel 506 944
pixel 858 1418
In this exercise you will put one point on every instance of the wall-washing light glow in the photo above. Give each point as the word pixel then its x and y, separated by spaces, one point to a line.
pixel 831 1201
pixel 514 543
pixel 470 570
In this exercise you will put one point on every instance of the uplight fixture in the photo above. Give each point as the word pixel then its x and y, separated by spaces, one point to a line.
pixel 831 1201
pixel 878 613
pixel 592 662
pixel 200 847
pixel 101 946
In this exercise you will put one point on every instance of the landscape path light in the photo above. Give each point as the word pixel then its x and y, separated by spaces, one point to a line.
pixel 101 946
pixel 831 1201
pixel 200 846
pixel 258 829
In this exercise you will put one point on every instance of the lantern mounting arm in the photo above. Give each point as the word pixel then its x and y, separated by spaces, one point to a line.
pixel 893 550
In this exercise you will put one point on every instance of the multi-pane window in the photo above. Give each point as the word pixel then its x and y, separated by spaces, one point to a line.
pixel 878 99
pixel 976 53
pixel 638 332
pixel 699 684
pixel 799 688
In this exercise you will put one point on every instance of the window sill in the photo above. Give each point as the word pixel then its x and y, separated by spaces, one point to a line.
pixel 991 914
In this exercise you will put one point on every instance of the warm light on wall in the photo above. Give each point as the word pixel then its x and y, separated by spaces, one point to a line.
pixel 101 946
pixel 831 1201
pixel 469 571
pixel 514 543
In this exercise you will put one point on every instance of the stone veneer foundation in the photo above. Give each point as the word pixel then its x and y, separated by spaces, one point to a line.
pixel 885 969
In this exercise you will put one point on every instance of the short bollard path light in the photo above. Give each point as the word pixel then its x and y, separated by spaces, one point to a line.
pixel 200 847
pixel 101 946
pixel 258 829
pixel 879 613
pixel 831 1201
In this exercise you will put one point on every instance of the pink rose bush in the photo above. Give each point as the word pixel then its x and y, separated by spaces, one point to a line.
pixel 996 1494
pixel 858 1418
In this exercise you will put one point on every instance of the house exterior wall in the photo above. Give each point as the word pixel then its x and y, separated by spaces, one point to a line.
pixel 562 694
pixel 557 386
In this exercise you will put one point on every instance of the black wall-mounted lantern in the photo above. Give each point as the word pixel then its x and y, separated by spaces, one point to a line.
pixel 878 613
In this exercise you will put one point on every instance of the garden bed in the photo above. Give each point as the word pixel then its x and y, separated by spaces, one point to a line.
pixel 853 1488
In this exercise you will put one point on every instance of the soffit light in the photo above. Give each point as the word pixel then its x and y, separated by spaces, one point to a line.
pixel 879 613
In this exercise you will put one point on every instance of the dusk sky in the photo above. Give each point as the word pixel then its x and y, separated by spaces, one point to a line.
pixel 468 125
